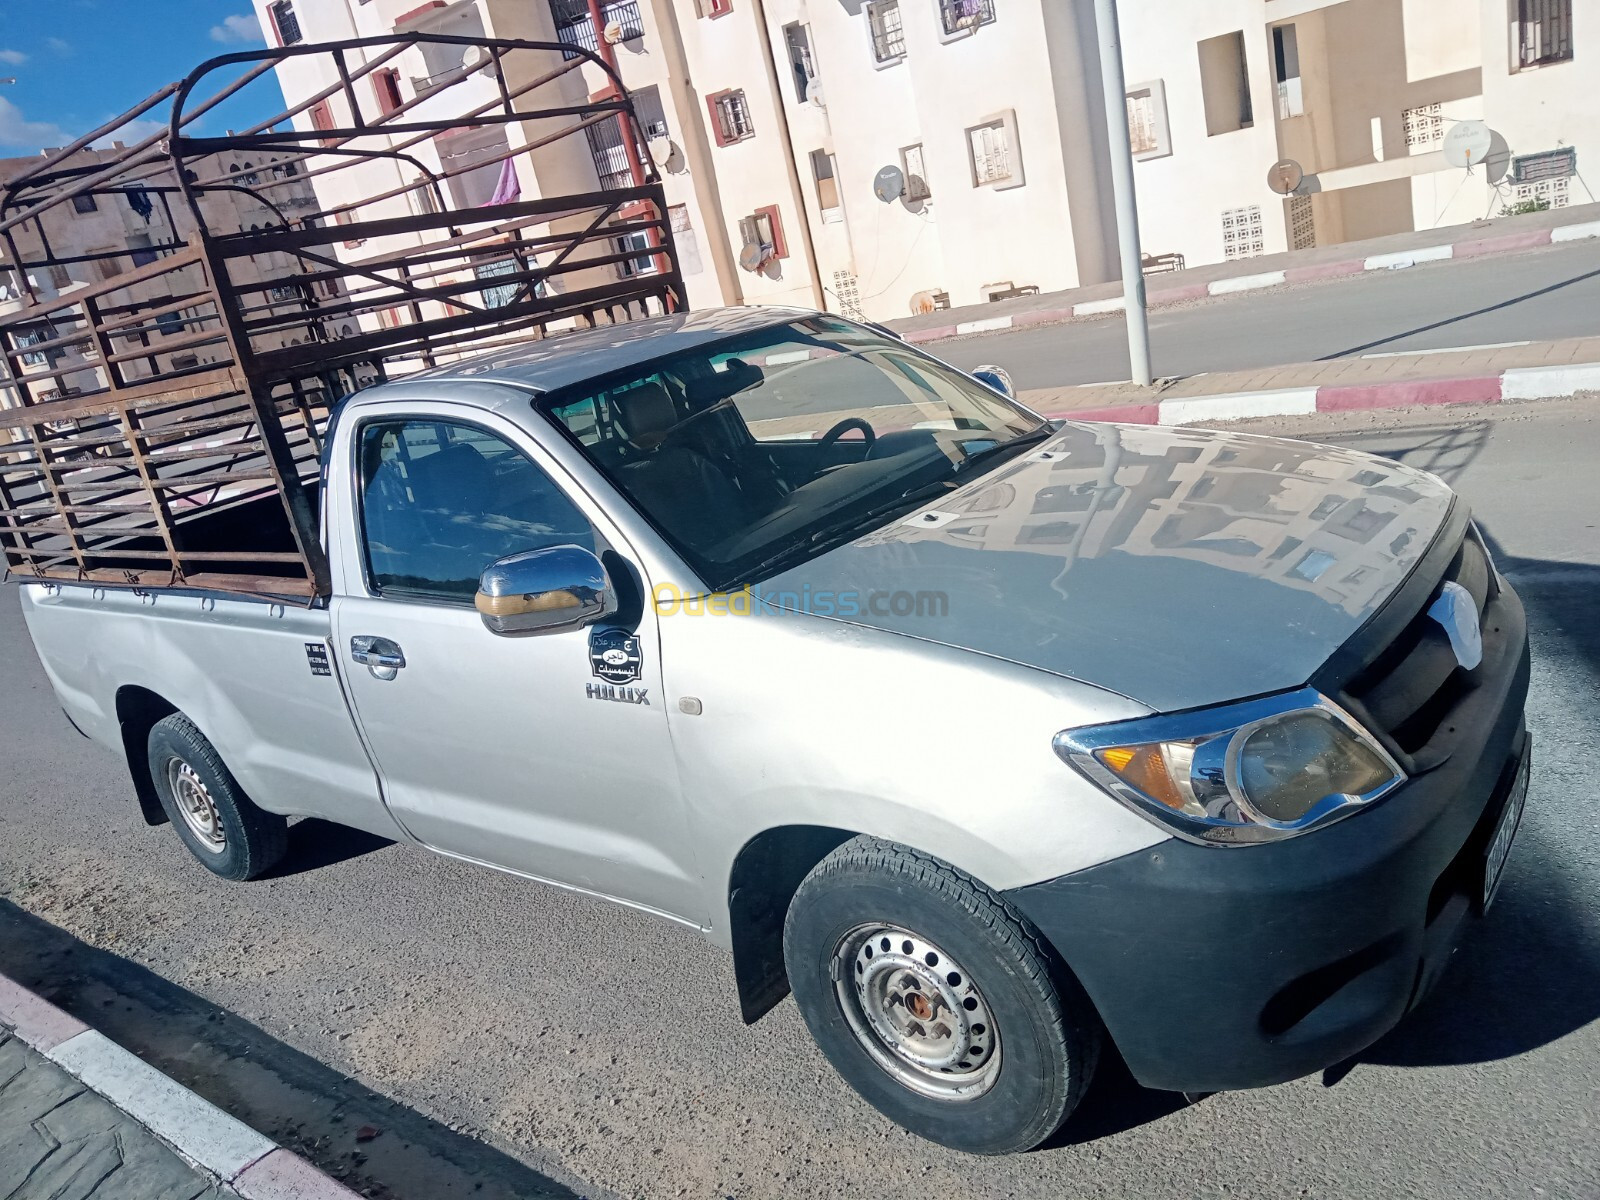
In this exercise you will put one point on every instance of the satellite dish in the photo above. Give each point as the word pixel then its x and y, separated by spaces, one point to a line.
pixel 661 150
pixel 1467 144
pixel 814 94
pixel 889 184
pixel 613 33
pixel 752 257
pixel 923 303
pixel 1286 177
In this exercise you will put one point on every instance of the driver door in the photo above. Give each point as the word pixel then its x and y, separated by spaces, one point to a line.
pixel 501 749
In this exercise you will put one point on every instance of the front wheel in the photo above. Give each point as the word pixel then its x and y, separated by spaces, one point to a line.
pixel 936 1000
pixel 221 826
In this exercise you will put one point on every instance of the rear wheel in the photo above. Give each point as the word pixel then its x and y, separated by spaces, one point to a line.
pixel 936 1000
pixel 221 826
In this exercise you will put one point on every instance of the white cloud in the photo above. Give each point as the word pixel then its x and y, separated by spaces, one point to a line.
pixel 238 28
pixel 13 58
pixel 19 133
pixel 132 133
pixel 58 45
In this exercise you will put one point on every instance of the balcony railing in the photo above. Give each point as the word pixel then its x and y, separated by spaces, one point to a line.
pixel 574 27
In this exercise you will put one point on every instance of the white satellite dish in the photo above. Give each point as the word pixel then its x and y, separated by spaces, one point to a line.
pixel 889 184
pixel 614 32
pixel 661 150
pixel 1467 144
pixel 752 257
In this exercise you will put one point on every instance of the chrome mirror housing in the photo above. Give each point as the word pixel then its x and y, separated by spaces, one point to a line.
pixel 545 591
pixel 998 378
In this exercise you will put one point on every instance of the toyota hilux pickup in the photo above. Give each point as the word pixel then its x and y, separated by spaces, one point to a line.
pixel 994 739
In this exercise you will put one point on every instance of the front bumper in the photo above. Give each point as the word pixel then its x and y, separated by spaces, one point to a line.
pixel 1217 968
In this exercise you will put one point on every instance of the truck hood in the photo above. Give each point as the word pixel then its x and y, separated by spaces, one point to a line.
pixel 1175 567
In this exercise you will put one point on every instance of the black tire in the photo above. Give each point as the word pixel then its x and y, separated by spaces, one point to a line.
pixel 1047 1036
pixel 247 841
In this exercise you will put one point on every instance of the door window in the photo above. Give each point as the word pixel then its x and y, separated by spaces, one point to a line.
pixel 442 501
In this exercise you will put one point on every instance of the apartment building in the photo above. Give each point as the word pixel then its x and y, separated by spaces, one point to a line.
pixel 880 157
pixel 132 223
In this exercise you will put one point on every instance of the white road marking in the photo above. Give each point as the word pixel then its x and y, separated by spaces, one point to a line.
pixel 1408 258
pixel 1573 233
pixel 1447 350
pixel 1291 402
pixel 1246 283
pixel 1539 383
pixel 983 326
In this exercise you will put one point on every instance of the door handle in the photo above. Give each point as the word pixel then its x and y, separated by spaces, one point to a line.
pixel 383 657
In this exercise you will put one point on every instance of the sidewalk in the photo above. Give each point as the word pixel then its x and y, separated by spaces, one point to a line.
pixel 80 1117
pixel 1502 235
pixel 1490 375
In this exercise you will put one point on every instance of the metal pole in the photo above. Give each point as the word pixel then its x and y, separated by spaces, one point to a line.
pixel 1116 89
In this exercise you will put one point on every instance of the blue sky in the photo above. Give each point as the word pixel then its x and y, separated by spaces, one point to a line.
pixel 78 63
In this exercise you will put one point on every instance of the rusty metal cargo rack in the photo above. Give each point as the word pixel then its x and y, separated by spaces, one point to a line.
pixel 163 401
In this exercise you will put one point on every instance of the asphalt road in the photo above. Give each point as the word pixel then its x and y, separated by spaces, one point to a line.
pixel 1536 296
pixel 591 1043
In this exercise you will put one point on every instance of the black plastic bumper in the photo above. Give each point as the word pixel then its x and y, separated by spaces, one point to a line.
pixel 1238 967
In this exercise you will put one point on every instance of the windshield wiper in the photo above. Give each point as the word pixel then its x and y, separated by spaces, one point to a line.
pixel 1020 442
pixel 834 536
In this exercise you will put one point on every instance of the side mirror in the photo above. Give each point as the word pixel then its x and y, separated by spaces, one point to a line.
pixel 545 591
pixel 997 378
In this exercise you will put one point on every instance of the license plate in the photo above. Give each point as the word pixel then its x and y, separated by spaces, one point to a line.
pixel 1505 833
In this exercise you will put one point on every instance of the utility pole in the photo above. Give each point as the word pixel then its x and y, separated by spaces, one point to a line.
pixel 1116 90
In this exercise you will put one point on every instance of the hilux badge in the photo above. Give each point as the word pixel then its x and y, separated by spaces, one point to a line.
pixel 614 656
pixel 1457 612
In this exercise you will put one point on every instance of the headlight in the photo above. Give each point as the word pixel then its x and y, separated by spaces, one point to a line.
pixel 1253 772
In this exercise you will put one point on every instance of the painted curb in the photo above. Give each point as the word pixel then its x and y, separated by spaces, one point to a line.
pixel 1393 261
pixel 248 1163
pixel 1518 383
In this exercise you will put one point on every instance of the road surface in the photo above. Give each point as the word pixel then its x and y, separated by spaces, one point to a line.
pixel 1537 296
pixel 589 1043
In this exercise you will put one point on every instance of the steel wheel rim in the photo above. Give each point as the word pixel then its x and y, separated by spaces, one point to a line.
pixel 917 1012
pixel 193 801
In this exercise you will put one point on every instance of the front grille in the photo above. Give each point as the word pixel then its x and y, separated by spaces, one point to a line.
pixel 1410 688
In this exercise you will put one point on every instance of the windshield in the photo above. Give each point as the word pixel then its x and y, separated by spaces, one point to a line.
pixel 760 451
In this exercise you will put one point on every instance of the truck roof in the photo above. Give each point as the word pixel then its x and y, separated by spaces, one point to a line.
pixel 550 363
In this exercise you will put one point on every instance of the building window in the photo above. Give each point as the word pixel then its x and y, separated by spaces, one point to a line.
pixel 607 147
pixel 343 217
pixel 575 29
pixel 32 337
pixel 916 174
pixel 285 23
pixel 142 253
pixel 1286 66
pixel 1148 133
pixel 1424 127
pixel 764 229
pixel 714 8
pixel 643 263
pixel 823 171
pixel 386 83
pixel 1225 84
pixel 1545 31
pixel 887 31
pixel 500 294
pixel 797 39
pixel 1242 233
pixel 730 117
pixel 84 203
pixel 994 152
pixel 961 16
pixel 60 277
pixel 322 118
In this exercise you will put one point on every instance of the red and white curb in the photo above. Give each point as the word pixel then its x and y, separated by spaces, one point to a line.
pixel 248 1164
pixel 1518 383
pixel 1392 261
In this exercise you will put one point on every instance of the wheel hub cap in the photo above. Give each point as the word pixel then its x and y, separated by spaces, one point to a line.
pixel 194 804
pixel 916 1011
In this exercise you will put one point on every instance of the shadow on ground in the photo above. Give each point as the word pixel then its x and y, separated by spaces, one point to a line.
pixel 315 844
pixel 293 1099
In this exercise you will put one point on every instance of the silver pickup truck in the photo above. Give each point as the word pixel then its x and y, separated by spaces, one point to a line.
pixel 993 738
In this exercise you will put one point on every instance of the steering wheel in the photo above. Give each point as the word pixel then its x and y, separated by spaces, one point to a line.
pixel 844 427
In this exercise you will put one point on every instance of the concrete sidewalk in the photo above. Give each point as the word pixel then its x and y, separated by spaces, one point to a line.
pixel 1502 235
pixel 1488 375
pixel 83 1119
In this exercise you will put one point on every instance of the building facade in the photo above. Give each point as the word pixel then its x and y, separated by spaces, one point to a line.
pixel 882 157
